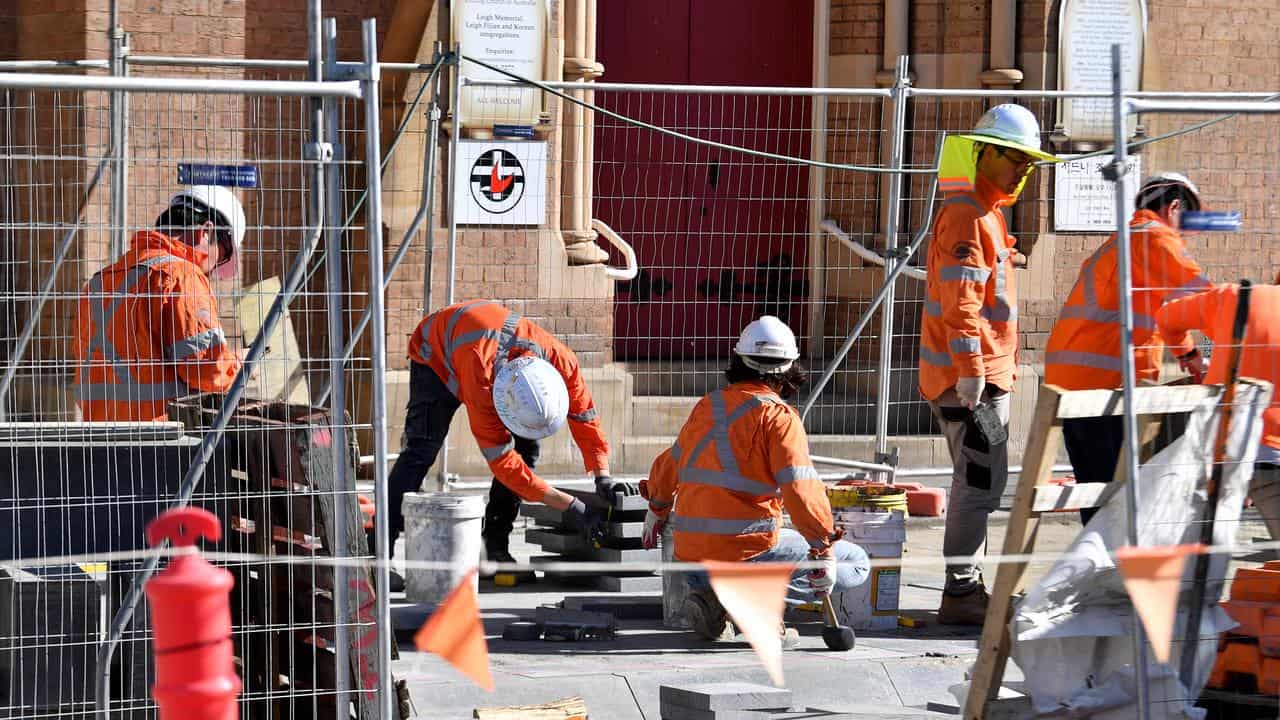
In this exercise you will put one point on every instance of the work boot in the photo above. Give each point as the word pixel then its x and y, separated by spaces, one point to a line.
pixel 969 609
pixel 706 615
pixel 503 556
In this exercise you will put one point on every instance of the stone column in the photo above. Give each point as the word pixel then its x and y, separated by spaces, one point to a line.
pixel 1002 68
pixel 579 66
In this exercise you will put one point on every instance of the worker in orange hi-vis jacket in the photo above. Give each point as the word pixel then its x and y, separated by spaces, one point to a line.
pixel 1083 351
pixel 1212 312
pixel 969 333
pixel 520 385
pixel 147 328
pixel 741 457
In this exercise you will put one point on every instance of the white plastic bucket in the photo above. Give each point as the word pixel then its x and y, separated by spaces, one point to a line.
pixel 873 605
pixel 675 586
pixel 441 527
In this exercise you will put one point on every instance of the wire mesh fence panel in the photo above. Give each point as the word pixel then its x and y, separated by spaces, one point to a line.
pixel 164 343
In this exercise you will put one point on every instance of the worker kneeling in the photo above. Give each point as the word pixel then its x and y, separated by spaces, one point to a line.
pixel 741 457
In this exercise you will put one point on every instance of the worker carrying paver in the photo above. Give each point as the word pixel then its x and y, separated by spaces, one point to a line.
pixel 1212 312
pixel 969 333
pixel 1083 352
pixel 520 385
pixel 741 457
pixel 147 328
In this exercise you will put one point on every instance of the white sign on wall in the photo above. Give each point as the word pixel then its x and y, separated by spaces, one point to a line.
pixel 512 35
pixel 500 183
pixel 1083 200
pixel 1086 31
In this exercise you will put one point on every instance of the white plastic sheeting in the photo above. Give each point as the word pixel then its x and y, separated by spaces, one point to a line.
pixel 1072 633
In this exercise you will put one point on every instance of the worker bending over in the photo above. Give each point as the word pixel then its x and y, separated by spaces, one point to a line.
pixel 741 457
pixel 147 328
pixel 1212 313
pixel 520 385
pixel 1084 348
pixel 969 334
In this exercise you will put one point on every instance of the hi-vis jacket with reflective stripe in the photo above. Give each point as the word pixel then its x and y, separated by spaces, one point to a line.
pixel 1083 352
pixel 739 459
pixel 1212 312
pixel 147 331
pixel 465 344
pixel 970 319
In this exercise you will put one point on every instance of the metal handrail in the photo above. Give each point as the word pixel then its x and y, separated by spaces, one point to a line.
pixel 628 253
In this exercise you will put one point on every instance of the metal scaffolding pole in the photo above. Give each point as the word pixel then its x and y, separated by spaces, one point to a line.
pixel 894 198
pixel 450 255
pixel 378 356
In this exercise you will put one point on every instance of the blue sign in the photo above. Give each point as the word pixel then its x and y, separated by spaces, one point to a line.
pixel 243 176
pixel 513 131
pixel 1211 221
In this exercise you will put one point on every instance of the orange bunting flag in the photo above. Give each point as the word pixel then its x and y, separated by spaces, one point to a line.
pixel 454 632
pixel 755 595
pixel 1153 577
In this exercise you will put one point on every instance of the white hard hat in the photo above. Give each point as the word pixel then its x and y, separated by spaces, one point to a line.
pixel 767 345
pixel 1011 126
pixel 224 202
pixel 530 397
pixel 1159 181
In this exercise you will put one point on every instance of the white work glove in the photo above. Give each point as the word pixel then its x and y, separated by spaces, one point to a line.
pixel 824 578
pixel 653 525
pixel 969 390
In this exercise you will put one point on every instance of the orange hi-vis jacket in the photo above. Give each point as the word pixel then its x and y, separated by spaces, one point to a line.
pixel 970 324
pixel 465 344
pixel 1213 312
pixel 739 459
pixel 147 331
pixel 1083 352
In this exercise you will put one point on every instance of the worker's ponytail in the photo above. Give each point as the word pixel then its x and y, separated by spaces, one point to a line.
pixel 785 383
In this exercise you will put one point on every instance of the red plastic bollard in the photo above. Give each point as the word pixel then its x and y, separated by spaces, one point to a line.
pixel 191 617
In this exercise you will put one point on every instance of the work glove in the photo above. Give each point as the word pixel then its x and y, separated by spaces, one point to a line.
pixel 584 520
pixel 822 579
pixel 1193 364
pixel 607 487
pixel 653 525
pixel 969 390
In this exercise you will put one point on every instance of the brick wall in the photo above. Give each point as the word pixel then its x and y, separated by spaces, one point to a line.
pixel 857 27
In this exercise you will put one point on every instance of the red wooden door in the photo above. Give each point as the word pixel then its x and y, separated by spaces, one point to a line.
pixel 721 236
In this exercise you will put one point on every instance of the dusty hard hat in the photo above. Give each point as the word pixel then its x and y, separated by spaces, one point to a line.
pixel 1011 126
pixel 767 345
pixel 1158 182
pixel 223 202
pixel 530 397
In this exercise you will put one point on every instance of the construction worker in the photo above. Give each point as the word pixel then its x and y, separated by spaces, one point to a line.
pixel 1212 313
pixel 969 333
pixel 1084 348
pixel 147 328
pixel 741 457
pixel 520 385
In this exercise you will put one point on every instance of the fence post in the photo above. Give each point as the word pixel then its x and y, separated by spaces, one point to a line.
pixel 331 220
pixel 387 699
pixel 451 263
pixel 1129 376
pixel 119 134
pixel 893 198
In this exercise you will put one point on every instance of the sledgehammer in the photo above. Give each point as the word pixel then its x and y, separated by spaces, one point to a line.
pixel 835 635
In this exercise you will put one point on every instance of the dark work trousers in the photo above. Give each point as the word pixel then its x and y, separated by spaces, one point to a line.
pixel 426 423
pixel 1093 444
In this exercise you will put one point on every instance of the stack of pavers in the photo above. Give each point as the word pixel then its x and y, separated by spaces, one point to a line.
pixel 621 544
pixel 1249 654
pixel 722 701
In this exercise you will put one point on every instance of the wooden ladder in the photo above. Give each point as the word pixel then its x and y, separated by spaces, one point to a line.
pixel 1035 496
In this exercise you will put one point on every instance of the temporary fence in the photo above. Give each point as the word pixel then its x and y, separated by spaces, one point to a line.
pixel 716 205
pixel 277 471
